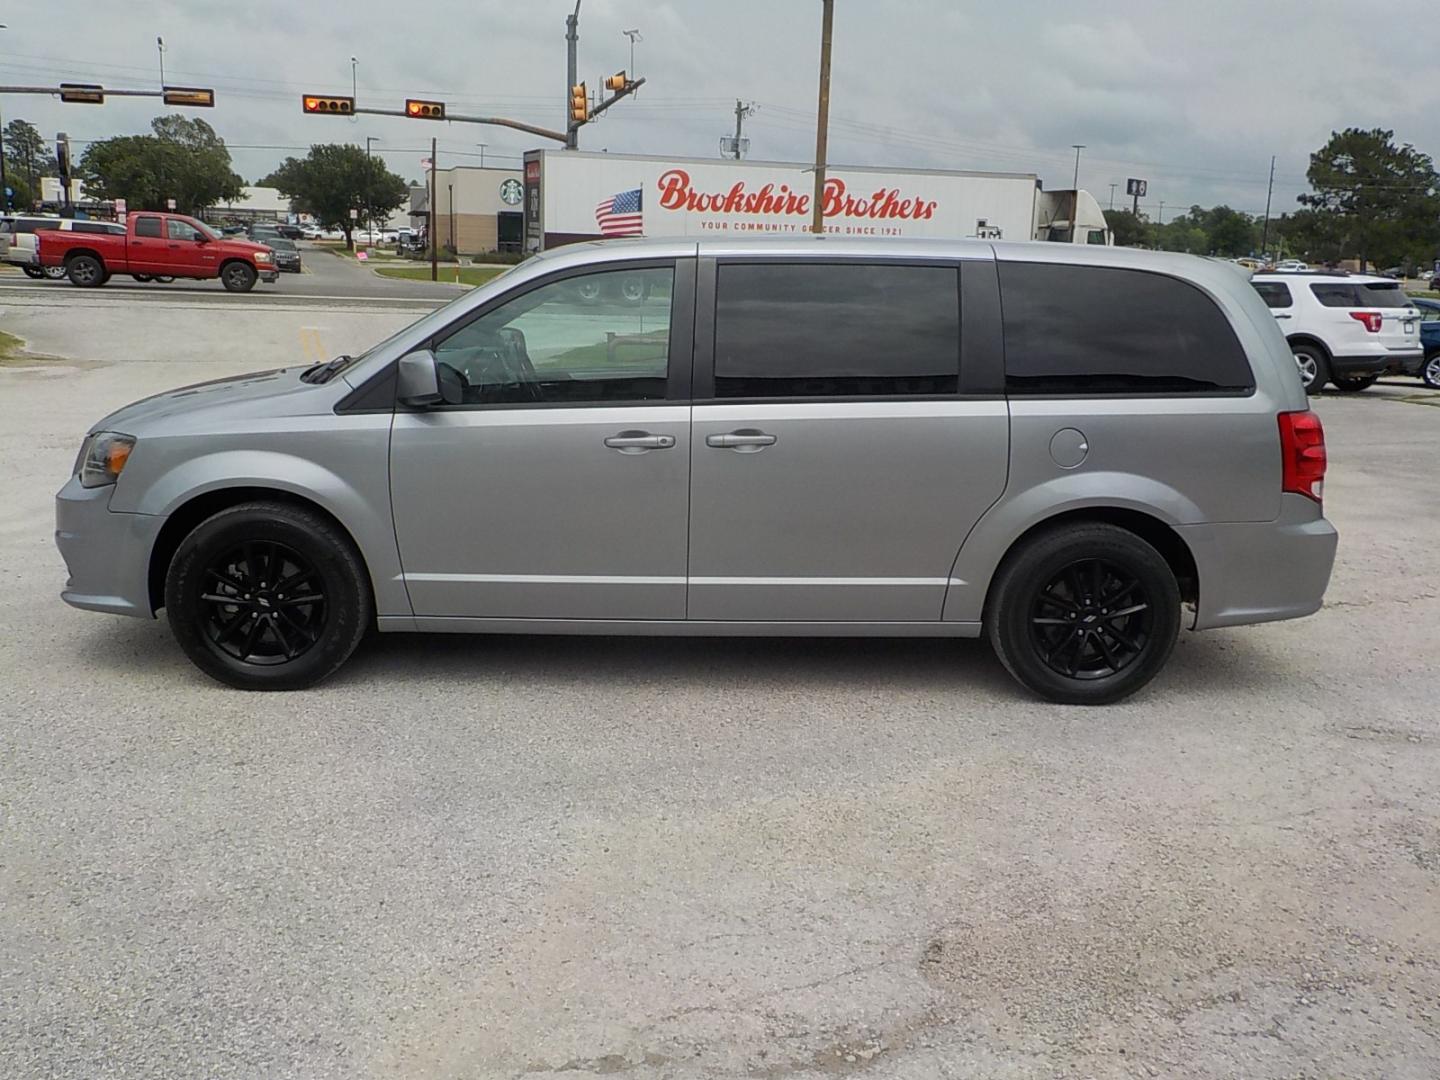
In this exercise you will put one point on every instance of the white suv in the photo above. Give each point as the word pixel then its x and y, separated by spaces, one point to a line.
pixel 1346 329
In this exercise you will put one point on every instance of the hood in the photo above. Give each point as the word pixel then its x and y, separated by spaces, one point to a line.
pixel 277 392
pixel 241 247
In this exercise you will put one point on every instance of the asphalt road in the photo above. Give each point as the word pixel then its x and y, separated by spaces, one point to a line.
pixel 502 857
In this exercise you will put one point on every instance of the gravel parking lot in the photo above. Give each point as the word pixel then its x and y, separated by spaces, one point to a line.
pixel 468 857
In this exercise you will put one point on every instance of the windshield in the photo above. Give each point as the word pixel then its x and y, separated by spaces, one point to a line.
pixel 280 244
pixel 209 230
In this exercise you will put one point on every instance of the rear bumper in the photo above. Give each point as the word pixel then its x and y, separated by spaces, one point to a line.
pixel 1264 571
pixel 106 553
pixel 1391 362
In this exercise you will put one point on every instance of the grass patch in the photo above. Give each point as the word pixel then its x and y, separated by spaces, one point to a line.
pixel 13 354
pixel 469 275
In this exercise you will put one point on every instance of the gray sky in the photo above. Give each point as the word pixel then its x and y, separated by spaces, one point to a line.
pixel 1193 96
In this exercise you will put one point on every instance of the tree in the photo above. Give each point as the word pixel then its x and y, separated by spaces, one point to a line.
pixel 1229 232
pixel 1129 229
pixel 1372 199
pixel 334 179
pixel 28 154
pixel 183 160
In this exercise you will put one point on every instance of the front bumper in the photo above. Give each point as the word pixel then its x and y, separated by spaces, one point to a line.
pixel 107 553
pixel 1252 572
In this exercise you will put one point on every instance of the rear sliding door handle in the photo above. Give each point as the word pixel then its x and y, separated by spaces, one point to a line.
pixel 637 442
pixel 743 441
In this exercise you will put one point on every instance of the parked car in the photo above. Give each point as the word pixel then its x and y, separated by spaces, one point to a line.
pixel 1291 266
pixel 287 255
pixel 18 243
pixel 25 241
pixel 311 232
pixel 168 245
pixel 1429 339
pixel 288 231
pixel 791 436
pixel 262 234
pixel 1345 329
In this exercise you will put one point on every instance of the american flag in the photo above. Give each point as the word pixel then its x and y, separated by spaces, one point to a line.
pixel 620 215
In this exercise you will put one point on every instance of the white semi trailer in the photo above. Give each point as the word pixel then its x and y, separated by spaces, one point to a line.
pixel 574 195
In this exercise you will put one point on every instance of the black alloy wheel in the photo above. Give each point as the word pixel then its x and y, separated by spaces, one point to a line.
pixel 1430 373
pixel 238 277
pixel 268 595
pixel 264 603
pixel 85 271
pixel 1091 620
pixel 1083 613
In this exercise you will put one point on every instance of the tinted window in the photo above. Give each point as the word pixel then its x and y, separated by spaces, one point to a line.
pixel 599 337
pixel 1082 329
pixel 807 330
pixel 1335 295
pixel 1276 294
pixel 147 226
pixel 95 227
pixel 1383 294
pixel 30 225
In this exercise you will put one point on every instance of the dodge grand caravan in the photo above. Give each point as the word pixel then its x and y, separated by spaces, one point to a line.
pixel 1069 451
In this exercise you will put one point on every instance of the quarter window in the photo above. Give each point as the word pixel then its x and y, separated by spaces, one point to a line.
pixel 147 226
pixel 1276 294
pixel 597 337
pixel 1097 330
pixel 836 330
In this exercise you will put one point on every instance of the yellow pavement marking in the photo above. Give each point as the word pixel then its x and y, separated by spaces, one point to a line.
pixel 311 345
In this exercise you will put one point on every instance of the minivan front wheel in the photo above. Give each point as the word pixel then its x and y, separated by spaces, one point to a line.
pixel 1085 614
pixel 1430 373
pixel 1314 367
pixel 267 596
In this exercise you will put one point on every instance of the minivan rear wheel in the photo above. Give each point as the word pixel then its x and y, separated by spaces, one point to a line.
pixel 267 596
pixel 1084 614
pixel 1314 366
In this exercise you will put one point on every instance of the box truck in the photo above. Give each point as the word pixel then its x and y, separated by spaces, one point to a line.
pixel 573 195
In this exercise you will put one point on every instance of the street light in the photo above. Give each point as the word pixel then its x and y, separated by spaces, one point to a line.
pixel 354 63
pixel 634 36
pixel 160 48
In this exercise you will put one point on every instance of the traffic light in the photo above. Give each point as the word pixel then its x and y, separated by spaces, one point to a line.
pixel 82 93
pixel 617 82
pixel 193 96
pixel 424 110
pixel 331 106
pixel 579 104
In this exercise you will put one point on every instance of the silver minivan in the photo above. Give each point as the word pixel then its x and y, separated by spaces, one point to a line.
pixel 1067 450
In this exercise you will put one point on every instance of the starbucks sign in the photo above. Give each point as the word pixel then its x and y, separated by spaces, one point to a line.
pixel 511 193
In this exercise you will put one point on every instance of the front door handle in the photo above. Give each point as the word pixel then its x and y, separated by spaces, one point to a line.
pixel 744 442
pixel 1282 316
pixel 637 442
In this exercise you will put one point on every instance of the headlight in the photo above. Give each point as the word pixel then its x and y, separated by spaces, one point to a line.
pixel 103 458
pixel 262 256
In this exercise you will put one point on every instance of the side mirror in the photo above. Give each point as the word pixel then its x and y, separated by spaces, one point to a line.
pixel 417 383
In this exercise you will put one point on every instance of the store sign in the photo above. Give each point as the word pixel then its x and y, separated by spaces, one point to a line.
pixel 511 193
pixel 781 200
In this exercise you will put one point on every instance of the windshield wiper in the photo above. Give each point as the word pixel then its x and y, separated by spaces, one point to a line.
pixel 320 373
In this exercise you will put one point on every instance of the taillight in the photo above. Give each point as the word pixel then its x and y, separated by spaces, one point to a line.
pixel 1371 319
pixel 1302 454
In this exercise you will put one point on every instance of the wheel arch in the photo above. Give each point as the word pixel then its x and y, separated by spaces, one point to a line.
pixel 1309 339
pixel 76 251
pixel 1155 531
pixel 185 517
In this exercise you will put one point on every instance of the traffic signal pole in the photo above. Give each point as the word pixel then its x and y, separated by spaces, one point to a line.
pixel 822 119
pixel 572 41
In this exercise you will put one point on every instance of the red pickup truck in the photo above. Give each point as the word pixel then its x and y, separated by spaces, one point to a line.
pixel 158 245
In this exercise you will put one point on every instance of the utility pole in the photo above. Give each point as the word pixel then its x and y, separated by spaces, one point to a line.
pixel 160 48
pixel 1075 193
pixel 369 212
pixel 1077 147
pixel 741 112
pixel 434 239
pixel 1112 195
pixel 1265 232
pixel 572 39
pixel 822 118
pixel 1162 212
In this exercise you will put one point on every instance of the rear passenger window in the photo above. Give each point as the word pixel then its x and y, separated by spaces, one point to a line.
pixel 1276 294
pixel 1336 295
pixel 147 226
pixel 1096 330
pixel 836 330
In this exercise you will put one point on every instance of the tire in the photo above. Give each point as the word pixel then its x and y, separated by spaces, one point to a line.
pixel 238 276
pixel 164 279
pixel 86 271
pixel 36 272
pixel 265 640
pixel 1029 614
pixel 1351 386
pixel 633 290
pixel 142 277
pixel 1430 373
pixel 1314 367
pixel 53 273
pixel 588 290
